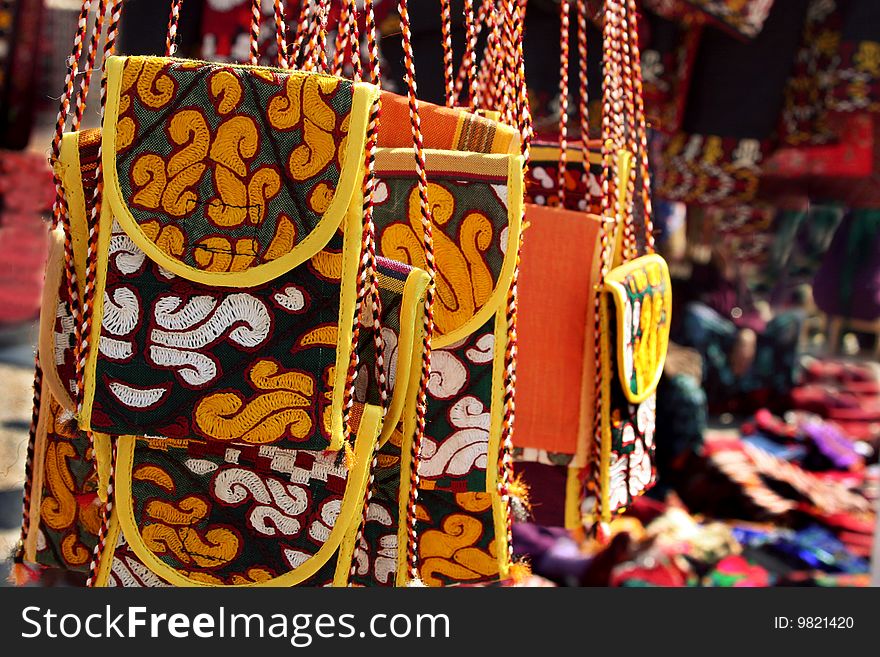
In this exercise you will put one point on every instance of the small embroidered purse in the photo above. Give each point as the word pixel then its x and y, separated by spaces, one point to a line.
pixel 575 438
pixel 260 477
pixel 474 190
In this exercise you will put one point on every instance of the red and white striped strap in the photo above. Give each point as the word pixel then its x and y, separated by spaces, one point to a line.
pixel 431 268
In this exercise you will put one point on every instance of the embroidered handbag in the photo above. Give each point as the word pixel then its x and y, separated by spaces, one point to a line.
pixel 570 397
pixel 474 174
pixel 62 508
pixel 212 509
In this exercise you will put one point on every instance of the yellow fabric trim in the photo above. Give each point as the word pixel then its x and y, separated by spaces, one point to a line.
pixel 48 308
pixel 499 509
pixel 372 414
pixel 109 554
pixel 105 227
pixel 614 285
pixel 71 178
pixel 573 155
pixel 624 169
pixel 352 505
pixel 39 472
pixel 441 162
pixel 496 411
pixel 409 351
pixel 573 499
pixel 350 180
pixel 408 430
pixel 103 459
pixel 605 415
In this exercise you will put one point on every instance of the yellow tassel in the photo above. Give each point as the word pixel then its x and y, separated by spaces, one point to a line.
pixel 520 571
pixel 520 490
pixel 350 460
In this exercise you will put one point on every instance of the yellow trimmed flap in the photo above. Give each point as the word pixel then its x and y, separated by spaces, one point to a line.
pixel 231 175
pixel 476 204
pixel 642 293
pixel 241 516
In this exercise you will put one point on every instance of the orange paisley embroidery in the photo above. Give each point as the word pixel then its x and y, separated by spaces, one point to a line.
pixel 226 91
pixel 73 551
pixel 282 409
pixel 284 108
pixel 155 88
pixel 284 240
pixel 223 254
pixel 170 528
pixel 155 475
pixel 58 510
pixel 301 105
pixel 236 141
pixel 169 239
pixel 264 185
pixel 450 551
pixel 125 130
pixel 464 282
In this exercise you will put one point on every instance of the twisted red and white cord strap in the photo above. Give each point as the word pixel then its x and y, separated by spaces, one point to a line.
pixel 430 266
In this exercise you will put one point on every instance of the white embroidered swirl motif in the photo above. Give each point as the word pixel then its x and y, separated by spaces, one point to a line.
pixel 448 375
pixel 291 298
pixel 138 398
pixel 640 471
pixel 278 504
pixel 464 450
pixel 120 319
pixel 124 253
pixel 385 562
pixel 121 311
pixel 618 484
pixel 322 526
pixel 483 351
pixel 187 330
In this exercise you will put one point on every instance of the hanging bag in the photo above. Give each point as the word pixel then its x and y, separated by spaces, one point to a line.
pixel 236 497
pixel 568 397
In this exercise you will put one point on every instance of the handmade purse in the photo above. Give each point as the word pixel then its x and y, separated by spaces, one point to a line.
pixel 474 190
pixel 576 409
pixel 62 508
pixel 260 472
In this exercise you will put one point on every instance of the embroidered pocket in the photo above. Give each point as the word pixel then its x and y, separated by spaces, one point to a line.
pixel 197 513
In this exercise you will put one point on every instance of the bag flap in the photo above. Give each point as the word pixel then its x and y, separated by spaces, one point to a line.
pixel 200 515
pixel 642 293
pixel 231 175
pixel 476 202
pixel 444 128
pixel 402 298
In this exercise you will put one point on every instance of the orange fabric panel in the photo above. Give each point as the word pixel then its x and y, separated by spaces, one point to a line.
pixel 555 362
pixel 438 124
